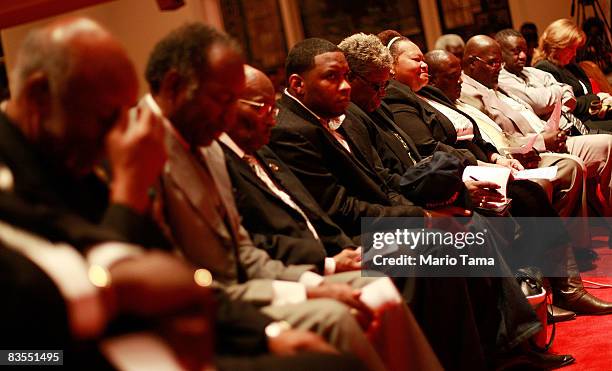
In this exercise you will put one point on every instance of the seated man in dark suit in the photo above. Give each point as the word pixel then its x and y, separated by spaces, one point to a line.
pixel 310 139
pixel 279 213
pixel 58 120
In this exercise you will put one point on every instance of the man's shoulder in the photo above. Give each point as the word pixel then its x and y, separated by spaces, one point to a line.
pixel 537 74
pixel 470 92
pixel 508 77
pixel 547 66
pixel 290 123
pixel 473 96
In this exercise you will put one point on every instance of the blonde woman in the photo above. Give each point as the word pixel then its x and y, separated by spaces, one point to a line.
pixel 555 54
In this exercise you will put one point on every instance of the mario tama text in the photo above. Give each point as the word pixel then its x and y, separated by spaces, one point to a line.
pixel 431 261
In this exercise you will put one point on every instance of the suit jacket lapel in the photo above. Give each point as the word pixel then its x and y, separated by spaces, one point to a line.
pixel 194 182
pixel 354 138
pixel 246 172
pixel 512 120
pixel 307 116
pixel 215 160
pixel 281 177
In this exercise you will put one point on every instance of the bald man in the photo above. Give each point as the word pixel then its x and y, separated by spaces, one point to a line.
pixel 445 76
pixel 72 86
pixel 63 111
pixel 481 66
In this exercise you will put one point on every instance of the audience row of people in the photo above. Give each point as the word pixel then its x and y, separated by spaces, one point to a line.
pixel 229 225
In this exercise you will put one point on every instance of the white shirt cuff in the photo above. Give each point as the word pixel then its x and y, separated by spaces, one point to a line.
pixel 330 266
pixel 310 279
pixel 539 144
pixel 127 352
pixel 285 292
pixel 69 271
pixel 108 253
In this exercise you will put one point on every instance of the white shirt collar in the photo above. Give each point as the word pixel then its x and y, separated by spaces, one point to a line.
pixel 229 142
pixel 333 123
pixel 522 77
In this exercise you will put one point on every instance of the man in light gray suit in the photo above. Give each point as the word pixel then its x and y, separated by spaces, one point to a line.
pixel 480 89
pixel 196 76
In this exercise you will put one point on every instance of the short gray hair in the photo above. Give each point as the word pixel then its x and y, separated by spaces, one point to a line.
pixel 448 40
pixel 50 50
pixel 365 53
pixel 38 53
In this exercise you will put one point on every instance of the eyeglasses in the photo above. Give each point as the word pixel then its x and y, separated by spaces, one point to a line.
pixel 490 63
pixel 262 108
pixel 377 86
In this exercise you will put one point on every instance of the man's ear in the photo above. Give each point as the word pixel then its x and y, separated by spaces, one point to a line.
pixel 432 81
pixel 296 84
pixel 37 95
pixel 468 62
pixel 172 86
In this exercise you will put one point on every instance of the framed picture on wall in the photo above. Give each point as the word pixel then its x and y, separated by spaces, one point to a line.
pixel 470 17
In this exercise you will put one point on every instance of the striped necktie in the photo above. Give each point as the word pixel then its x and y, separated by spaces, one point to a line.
pixel 576 122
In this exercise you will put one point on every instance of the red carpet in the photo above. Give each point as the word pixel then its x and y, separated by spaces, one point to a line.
pixel 589 338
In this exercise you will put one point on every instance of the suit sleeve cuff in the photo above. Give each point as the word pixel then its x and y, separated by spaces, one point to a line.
pixel 285 292
pixel 330 266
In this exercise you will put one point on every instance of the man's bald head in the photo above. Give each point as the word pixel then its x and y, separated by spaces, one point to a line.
pixel 64 49
pixel 482 60
pixel 437 60
pixel 71 84
pixel 445 72
pixel 256 112
pixel 257 83
pixel 479 45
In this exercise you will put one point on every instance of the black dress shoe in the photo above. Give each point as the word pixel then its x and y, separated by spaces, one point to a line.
pixel 556 314
pixel 544 361
pixel 584 303
pixel 531 360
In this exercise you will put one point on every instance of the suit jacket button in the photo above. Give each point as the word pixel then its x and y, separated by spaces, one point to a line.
pixel 273 167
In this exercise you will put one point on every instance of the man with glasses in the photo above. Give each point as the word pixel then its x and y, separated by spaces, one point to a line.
pixel 518 121
pixel 262 109
pixel 276 209
pixel 482 63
